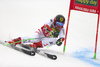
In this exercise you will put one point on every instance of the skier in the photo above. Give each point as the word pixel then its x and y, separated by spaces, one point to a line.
pixel 49 34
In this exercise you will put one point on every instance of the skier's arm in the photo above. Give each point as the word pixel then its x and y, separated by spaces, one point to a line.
pixel 46 28
pixel 61 37
pixel 52 33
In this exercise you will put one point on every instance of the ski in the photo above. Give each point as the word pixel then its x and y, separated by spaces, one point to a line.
pixel 53 57
pixel 30 50
pixel 26 51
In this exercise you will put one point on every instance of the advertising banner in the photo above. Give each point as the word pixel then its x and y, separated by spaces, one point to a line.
pixel 91 6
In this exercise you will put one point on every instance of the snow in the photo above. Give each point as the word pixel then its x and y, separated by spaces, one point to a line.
pixel 23 17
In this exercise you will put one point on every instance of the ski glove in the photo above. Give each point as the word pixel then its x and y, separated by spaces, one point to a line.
pixel 59 41
pixel 54 34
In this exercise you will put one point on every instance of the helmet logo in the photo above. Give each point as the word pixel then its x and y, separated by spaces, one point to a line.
pixel 61 19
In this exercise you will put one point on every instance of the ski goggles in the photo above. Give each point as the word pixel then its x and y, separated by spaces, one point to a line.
pixel 59 24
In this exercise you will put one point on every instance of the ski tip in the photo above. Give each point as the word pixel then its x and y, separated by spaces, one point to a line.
pixel 32 53
pixel 54 57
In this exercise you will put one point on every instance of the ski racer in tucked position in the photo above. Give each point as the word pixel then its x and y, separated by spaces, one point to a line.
pixel 49 34
pixel 52 33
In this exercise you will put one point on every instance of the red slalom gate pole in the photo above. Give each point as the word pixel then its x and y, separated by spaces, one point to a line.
pixel 96 37
pixel 66 31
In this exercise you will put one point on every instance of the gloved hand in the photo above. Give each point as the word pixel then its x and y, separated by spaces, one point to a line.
pixel 59 41
pixel 54 34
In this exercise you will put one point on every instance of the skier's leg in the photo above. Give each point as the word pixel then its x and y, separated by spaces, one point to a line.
pixel 48 42
pixel 35 35
pixel 44 43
